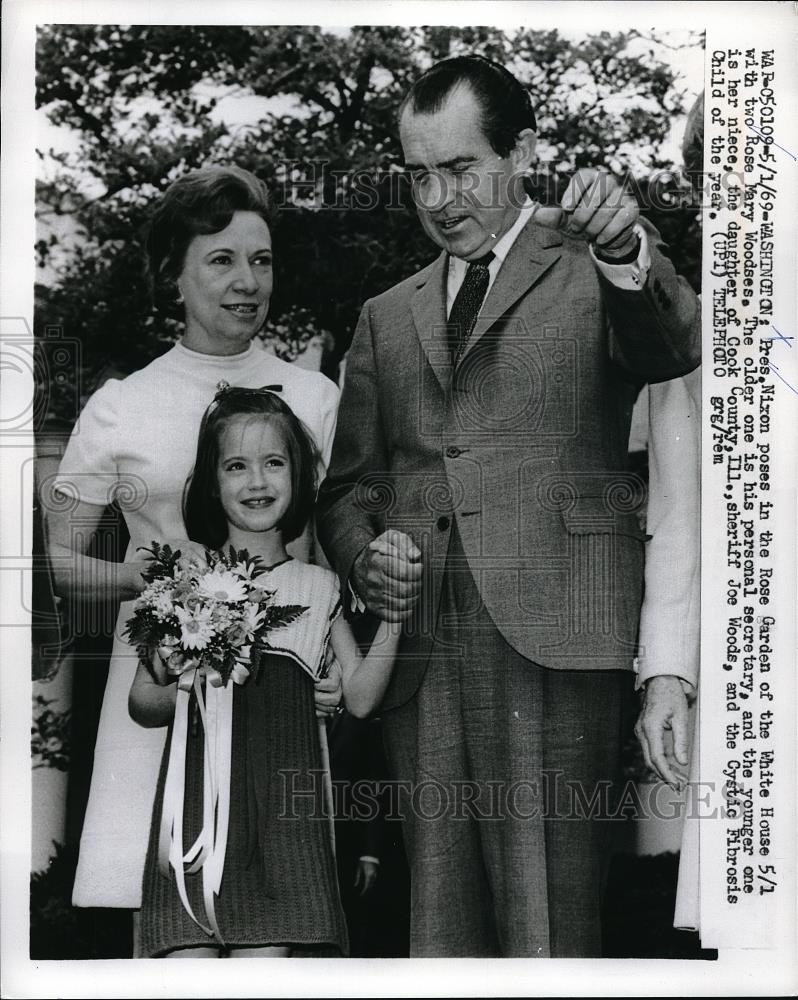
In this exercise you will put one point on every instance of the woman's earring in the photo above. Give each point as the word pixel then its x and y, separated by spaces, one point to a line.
pixel 179 299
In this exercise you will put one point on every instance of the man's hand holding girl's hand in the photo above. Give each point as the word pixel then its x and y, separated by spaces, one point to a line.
pixel 387 576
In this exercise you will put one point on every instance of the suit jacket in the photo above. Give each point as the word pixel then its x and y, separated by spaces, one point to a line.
pixel 523 445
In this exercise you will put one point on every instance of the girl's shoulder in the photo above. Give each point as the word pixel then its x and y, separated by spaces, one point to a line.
pixel 317 591
pixel 315 583
pixel 307 571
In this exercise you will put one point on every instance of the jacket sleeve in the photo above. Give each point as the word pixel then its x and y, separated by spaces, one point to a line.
pixel 670 630
pixel 343 521
pixel 655 332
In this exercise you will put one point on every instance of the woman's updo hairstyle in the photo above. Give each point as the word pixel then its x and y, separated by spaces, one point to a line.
pixel 198 204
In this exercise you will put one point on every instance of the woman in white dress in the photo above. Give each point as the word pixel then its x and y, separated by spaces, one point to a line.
pixel 210 251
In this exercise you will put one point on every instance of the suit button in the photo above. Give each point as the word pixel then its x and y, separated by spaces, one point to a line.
pixel 443 523
pixel 452 451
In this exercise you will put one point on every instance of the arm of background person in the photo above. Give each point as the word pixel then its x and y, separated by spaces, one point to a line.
pixel 375 771
pixel 73 502
pixel 78 576
pixel 670 616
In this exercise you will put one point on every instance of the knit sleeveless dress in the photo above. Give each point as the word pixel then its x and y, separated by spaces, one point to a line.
pixel 279 883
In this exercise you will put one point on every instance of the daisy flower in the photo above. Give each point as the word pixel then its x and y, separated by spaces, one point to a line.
pixel 196 629
pixel 222 585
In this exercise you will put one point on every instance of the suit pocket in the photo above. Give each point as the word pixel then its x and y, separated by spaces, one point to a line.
pixel 596 503
pixel 605 560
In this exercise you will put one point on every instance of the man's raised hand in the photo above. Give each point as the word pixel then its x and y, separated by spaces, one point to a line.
pixel 597 208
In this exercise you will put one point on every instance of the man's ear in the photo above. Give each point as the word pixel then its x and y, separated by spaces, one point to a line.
pixel 523 155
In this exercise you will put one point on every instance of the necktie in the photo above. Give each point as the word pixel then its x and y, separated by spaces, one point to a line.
pixel 467 303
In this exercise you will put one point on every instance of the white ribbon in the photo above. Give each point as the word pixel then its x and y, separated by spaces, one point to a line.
pixel 207 853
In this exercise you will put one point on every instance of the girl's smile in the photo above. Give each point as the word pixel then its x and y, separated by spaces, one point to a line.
pixel 254 476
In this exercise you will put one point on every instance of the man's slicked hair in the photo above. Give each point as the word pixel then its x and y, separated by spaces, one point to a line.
pixel 505 103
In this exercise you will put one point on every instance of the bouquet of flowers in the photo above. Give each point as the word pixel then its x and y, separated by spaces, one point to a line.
pixel 214 620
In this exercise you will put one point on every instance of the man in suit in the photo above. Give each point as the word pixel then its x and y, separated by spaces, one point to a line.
pixel 479 492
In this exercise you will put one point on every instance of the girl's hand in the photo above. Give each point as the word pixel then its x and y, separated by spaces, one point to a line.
pixel 151 703
pixel 158 664
pixel 329 689
pixel 365 678
pixel 134 566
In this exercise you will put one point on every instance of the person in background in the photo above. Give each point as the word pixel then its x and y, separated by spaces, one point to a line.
pixel 670 622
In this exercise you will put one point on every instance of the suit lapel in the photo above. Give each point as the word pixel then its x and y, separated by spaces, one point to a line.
pixel 530 257
pixel 428 307
pixel 535 251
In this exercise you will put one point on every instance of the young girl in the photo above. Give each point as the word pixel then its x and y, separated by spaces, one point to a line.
pixel 253 487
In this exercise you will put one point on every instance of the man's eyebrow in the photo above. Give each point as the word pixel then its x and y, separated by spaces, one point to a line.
pixel 456 161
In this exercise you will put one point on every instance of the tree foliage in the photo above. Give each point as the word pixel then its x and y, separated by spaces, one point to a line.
pixel 143 103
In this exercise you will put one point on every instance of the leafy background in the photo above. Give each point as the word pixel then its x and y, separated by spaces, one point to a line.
pixel 144 104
